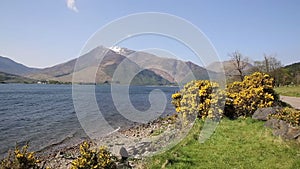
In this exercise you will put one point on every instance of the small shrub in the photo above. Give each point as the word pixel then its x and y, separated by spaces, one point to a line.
pixel 20 159
pixel 255 91
pixel 289 115
pixel 99 158
pixel 200 97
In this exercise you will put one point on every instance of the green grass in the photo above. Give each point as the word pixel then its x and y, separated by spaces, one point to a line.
pixel 288 91
pixel 242 143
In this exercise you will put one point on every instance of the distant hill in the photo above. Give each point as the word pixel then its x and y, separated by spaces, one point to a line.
pixel 11 67
pixel 290 74
pixel 295 67
pixel 287 75
pixel 88 63
pixel 53 73
pixel 10 78
pixel 174 70
pixel 146 69
pixel 227 67
pixel 229 70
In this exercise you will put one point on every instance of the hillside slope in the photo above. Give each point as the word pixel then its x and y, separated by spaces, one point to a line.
pixel 174 70
pixel 10 78
pixel 11 67
pixel 99 66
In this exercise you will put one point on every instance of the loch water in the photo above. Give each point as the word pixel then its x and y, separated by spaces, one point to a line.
pixel 45 115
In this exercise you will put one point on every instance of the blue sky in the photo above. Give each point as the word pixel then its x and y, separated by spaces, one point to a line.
pixel 41 33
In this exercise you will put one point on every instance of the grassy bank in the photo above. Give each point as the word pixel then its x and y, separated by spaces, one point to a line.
pixel 288 91
pixel 242 143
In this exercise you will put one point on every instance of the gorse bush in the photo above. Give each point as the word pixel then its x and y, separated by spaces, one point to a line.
pixel 20 159
pixel 255 91
pixel 289 115
pixel 99 158
pixel 206 99
pixel 201 98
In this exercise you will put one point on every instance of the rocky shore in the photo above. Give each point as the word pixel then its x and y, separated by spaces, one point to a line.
pixel 136 142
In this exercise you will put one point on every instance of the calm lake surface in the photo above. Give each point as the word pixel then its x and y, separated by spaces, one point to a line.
pixel 45 114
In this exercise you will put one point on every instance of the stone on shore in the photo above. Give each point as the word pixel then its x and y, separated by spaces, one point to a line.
pixel 263 113
pixel 124 153
pixel 284 129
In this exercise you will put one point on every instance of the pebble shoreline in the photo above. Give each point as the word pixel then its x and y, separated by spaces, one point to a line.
pixel 139 141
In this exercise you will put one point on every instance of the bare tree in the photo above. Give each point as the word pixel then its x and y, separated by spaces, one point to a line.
pixel 272 66
pixel 271 63
pixel 240 63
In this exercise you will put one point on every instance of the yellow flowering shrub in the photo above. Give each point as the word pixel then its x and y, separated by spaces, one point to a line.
pixel 93 158
pixel 206 99
pixel 200 97
pixel 255 91
pixel 20 159
pixel 289 115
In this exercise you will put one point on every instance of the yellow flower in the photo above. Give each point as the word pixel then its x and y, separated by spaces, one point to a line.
pixel 20 155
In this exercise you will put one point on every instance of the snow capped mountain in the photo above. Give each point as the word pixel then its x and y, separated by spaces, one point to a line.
pixel 116 49
pixel 121 51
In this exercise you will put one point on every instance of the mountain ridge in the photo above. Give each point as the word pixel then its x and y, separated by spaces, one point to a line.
pixel 10 66
pixel 88 69
pixel 176 71
pixel 148 68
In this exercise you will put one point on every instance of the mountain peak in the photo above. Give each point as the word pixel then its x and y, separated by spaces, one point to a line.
pixel 121 51
pixel 116 49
